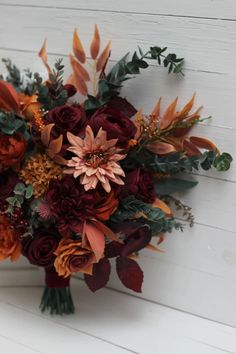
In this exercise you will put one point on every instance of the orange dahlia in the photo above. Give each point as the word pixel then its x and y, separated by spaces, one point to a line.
pixel 96 160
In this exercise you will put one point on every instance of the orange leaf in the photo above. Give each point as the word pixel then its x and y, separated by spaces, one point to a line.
pixel 9 99
pixel 106 231
pixel 43 55
pixel 95 238
pixel 169 115
pixel 80 84
pixel 158 203
pixel 187 108
pixel 203 143
pixel 154 248
pixel 103 57
pixel 95 45
pixel 45 134
pixel 157 108
pixel 191 149
pixel 56 144
pixel 161 148
pixel 78 48
pixel 79 70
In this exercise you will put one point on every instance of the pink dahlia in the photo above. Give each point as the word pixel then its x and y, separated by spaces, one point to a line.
pixel 96 160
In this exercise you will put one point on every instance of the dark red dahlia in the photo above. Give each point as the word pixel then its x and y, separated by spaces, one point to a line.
pixel 116 124
pixel 69 204
pixel 139 183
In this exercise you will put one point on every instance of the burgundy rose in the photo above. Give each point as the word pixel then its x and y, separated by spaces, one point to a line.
pixel 40 248
pixel 8 181
pixel 66 118
pixel 69 204
pixel 135 235
pixel 139 183
pixel 116 124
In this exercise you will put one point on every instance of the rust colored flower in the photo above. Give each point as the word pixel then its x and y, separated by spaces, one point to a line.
pixel 105 204
pixel 12 151
pixel 73 258
pixel 96 160
pixel 39 170
pixel 10 245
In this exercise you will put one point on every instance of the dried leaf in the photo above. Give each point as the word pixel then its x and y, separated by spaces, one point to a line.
pixel 78 48
pixel 80 85
pixel 79 70
pixel 191 149
pixel 95 238
pixel 169 115
pixel 56 144
pixel 95 45
pixel 158 203
pixel 9 99
pixel 103 57
pixel 45 134
pixel 43 55
pixel 187 108
pixel 100 276
pixel 203 143
pixel 161 148
pixel 106 231
pixel 156 111
pixel 154 248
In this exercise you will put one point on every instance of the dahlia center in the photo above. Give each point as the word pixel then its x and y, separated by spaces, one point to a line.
pixel 95 159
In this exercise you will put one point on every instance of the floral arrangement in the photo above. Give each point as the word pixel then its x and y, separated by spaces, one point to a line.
pixel 85 176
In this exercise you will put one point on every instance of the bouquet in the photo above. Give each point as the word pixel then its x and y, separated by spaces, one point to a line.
pixel 85 176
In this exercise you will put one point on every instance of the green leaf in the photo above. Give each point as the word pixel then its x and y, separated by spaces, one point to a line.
pixel 223 162
pixel 19 189
pixel 29 191
pixel 173 185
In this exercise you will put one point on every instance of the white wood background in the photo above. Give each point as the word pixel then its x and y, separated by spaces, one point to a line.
pixel 197 272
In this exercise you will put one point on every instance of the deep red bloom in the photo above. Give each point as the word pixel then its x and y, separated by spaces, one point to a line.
pixel 139 183
pixel 40 248
pixel 67 118
pixel 116 124
pixel 8 181
pixel 69 204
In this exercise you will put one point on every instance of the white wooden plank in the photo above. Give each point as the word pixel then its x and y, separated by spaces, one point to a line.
pixel 201 41
pixel 138 325
pixel 223 9
pixel 45 336
pixel 196 273
pixel 9 346
pixel 20 277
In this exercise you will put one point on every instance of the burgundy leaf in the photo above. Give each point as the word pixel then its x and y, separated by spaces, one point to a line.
pixel 100 277
pixel 113 249
pixel 130 274
pixel 122 105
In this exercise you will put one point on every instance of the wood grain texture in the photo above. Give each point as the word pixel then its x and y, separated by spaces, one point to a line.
pixel 214 52
pixel 123 322
pixel 197 272
pixel 214 9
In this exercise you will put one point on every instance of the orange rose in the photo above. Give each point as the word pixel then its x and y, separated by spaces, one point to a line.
pixel 10 245
pixel 12 151
pixel 72 257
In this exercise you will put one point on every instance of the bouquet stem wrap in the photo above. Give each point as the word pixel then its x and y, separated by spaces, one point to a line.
pixel 56 297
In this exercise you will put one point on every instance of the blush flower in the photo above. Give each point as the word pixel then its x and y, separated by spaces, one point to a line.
pixel 96 160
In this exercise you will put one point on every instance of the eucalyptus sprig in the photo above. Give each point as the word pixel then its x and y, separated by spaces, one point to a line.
pixel 21 193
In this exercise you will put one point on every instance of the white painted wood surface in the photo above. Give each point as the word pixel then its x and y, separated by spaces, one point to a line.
pixel 197 272
pixel 106 323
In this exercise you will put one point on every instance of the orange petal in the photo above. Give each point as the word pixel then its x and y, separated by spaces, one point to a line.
pixel 45 135
pixel 56 144
pixel 187 108
pixel 157 108
pixel 79 70
pixel 78 48
pixel 158 203
pixel 16 254
pixel 96 239
pixel 103 57
pixel 80 84
pixel 43 55
pixel 161 148
pixel 169 115
pixel 95 45
pixel 203 143
pixel 9 99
